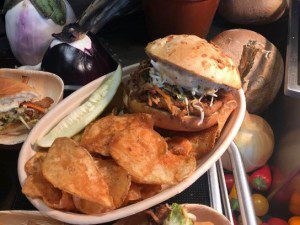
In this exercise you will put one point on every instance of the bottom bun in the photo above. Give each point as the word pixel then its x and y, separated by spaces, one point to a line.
pixel 14 133
pixel 12 140
pixel 165 120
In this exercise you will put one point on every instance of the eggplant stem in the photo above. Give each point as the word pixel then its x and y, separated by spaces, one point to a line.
pixel 99 12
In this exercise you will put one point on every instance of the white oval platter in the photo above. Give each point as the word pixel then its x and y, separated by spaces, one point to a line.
pixel 67 105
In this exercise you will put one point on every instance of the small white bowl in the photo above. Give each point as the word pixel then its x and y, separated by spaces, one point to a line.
pixel 203 213
pixel 47 84
pixel 67 105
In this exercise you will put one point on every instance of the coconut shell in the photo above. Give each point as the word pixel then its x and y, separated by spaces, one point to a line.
pixel 260 63
pixel 252 12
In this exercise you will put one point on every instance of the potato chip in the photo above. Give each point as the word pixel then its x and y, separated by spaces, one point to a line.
pixel 202 142
pixel 65 203
pixel 141 191
pixel 118 180
pixel 195 144
pixel 149 190
pixel 134 193
pixel 33 165
pixel 97 136
pixel 36 186
pixel 77 137
pixel 179 145
pixel 88 207
pixel 143 153
pixel 72 169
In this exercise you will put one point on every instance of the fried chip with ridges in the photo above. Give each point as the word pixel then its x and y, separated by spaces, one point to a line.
pixel 88 207
pixel 196 144
pixel 118 180
pixel 143 153
pixel 97 136
pixel 72 169
pixel 36 186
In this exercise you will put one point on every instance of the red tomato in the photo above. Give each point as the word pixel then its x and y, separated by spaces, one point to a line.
pixel 229 181
pixel 261 179
pixel 277 221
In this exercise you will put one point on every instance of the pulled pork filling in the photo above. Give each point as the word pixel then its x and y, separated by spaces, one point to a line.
pixel 147 85
pixel 27 113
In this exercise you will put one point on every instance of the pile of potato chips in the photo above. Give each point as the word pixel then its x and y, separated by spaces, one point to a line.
pixel 118 160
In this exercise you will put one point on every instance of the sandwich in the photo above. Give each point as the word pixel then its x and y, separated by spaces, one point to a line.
pixel 21 106
pixel 187 84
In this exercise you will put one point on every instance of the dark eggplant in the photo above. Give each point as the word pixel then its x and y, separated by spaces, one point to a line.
pixel 78 62
pixel 74 54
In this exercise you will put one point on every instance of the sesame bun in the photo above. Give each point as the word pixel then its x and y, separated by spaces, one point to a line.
pixel 196 58
pixel 14 92
pixel 11 87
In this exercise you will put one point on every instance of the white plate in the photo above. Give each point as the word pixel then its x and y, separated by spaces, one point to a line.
pixel 74 100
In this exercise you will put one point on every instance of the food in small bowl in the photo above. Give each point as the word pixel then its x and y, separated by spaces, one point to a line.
pixel 186 214
pixel 23 102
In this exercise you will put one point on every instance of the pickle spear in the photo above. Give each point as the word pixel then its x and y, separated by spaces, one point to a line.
pixel 85 113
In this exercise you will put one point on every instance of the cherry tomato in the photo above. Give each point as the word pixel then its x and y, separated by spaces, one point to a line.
pixel 295 220
pixel 276 221
pixel 229 181
pixel 261 204
pixel 294 204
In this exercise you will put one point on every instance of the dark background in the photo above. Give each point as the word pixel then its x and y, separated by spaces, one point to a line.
pixel 124 38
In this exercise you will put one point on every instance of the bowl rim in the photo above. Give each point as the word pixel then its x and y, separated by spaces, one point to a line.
pixel 76 218
pixel 199 206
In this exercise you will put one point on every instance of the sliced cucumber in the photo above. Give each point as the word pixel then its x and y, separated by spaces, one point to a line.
pixel 85 113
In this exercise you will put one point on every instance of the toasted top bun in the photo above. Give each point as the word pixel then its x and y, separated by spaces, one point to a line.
pixel 196 58
pixel 13 92
pixel 10 86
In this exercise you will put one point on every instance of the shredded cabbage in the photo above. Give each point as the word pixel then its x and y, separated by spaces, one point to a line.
pixel 198 92
pixel 159 81
pixel 24 122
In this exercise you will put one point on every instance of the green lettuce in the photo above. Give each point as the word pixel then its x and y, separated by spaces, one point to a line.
pixel 178 216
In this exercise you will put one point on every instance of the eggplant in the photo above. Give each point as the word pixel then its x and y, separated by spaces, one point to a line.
pixel 77 62
pixel 74 54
